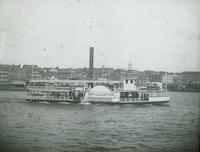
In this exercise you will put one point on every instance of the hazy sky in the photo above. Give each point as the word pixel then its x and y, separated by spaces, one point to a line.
pixel 152 34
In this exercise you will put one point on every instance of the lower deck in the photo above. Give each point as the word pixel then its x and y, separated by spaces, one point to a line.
pixel 151 100
pixel 53 99
pixel 54 96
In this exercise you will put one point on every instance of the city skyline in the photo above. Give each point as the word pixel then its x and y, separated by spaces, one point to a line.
pixel 154 35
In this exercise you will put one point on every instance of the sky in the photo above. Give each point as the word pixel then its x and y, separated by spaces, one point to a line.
pixel 160 35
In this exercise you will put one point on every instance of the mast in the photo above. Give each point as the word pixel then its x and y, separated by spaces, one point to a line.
pixel 166 83
pixel 1 46
pixel 31 72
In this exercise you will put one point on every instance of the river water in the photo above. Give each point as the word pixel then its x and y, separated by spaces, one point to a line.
pixel 77 127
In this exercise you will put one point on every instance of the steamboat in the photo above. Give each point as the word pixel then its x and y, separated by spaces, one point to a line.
pixel 85 91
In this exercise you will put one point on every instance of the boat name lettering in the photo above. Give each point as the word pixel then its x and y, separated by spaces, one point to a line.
pixel 100 94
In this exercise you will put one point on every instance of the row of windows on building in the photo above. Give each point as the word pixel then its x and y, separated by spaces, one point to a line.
pixel 4 76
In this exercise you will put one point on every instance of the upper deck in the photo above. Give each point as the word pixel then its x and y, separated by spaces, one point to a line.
pixel 62 85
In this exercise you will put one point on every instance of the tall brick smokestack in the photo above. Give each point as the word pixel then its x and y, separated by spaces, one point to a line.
pixel 91 63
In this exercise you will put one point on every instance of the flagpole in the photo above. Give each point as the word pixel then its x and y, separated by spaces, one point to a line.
pixel 166 83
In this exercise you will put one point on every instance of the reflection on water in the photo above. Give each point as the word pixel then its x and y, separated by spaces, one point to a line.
pixel 79 127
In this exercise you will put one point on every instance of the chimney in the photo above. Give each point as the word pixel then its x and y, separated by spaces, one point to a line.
pixel 91 63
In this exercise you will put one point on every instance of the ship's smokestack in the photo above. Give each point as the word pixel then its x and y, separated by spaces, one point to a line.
pixel 91 63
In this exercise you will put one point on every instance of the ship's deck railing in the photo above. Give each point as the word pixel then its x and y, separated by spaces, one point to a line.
pixel 44 87
pixel 47 88
pixel 129 99
pixel 134 99
pixel 48 97
pixel 137 90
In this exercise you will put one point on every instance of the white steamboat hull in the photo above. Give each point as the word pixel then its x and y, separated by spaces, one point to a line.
pixel 152 100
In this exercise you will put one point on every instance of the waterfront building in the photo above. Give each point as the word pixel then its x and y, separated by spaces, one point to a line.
pixel 6 71
pixel 29 69
pixel 189 76
pixel 4 76
pixel 131 73
pixel 105 73
pixel 18 74
pixel 36 75
pixel 49 72
pixel 8 67
pixel 63 74
pixel 121 74
pixel 168 78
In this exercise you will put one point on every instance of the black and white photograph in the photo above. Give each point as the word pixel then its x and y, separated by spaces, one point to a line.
pixel 99 75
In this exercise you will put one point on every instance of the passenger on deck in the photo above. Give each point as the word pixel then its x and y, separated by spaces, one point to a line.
pixel 137 96
pixel 142 96
pixel 145 96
